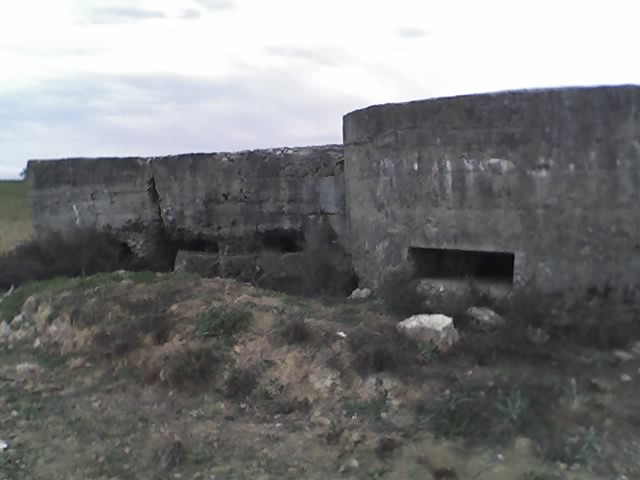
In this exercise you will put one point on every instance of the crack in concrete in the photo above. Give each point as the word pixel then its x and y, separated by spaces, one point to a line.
pixel 159 239
pixel 154 198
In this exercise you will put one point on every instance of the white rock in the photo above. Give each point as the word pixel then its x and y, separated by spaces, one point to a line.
pixel 537 335
pixel 349 467
pixel 28 367
pixel 3 445
pixel 625 378
pixel 623 356
pixel 320 421
pixel 435 328
pixel 19 320
pixel 5 330
pixel 7 293
pixel 360 293
pixel 485 316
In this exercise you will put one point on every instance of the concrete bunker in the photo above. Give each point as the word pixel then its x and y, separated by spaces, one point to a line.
pixel 259 216
pixel 550 177
pixel 530 187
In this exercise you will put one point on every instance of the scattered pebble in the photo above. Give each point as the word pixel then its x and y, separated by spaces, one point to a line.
pixel 19 320
pixel 321 421
pixel 623 356
pixel 525 446
pixel 342 334
pixel 360 293
pixel 28 367
pixel 485 317
pixel 350 466
pixel 600 386
pixel 5 329
pixel 625 378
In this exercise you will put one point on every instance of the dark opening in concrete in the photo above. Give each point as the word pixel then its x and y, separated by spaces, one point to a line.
pixel 438 263
pixel 199 245
pixel 282 240
pixel 124 252
pixel 192 244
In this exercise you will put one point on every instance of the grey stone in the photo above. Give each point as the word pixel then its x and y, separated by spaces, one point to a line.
pixel 599 385
pixel 7 293
pixel 5 330
pixel 360 294
pixel 432 328
pixel 19 320
pixel 350 466
pixel 485 317
pixel 537 335
pixel 623 356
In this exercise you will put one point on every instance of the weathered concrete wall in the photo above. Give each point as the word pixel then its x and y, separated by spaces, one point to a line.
pixel 237 195
pixel 103 193
pixel 235 204
pixel 550 175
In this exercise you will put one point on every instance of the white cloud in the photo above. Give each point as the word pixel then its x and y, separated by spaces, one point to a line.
pixel 318 59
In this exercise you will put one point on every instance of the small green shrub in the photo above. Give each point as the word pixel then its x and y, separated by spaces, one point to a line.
pixel 373 351
pixel 580 449
pixel 327 272
pixel 399 292
pixel 295 331
pixel 452 415
pixel 429 352
pixel 371 409
pixel 477 413
pixel 193 367
pixel 573 393
pixel 513 406
pixel 241 382
pixel 378 348
pixel 223 322
pixel 527 307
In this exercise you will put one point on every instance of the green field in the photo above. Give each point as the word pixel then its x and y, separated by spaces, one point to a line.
pixel 15 222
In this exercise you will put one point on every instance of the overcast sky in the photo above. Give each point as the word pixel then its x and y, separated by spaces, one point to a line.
pixel 138 77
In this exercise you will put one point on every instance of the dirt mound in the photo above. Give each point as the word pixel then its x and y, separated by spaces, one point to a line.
pixel 145 376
